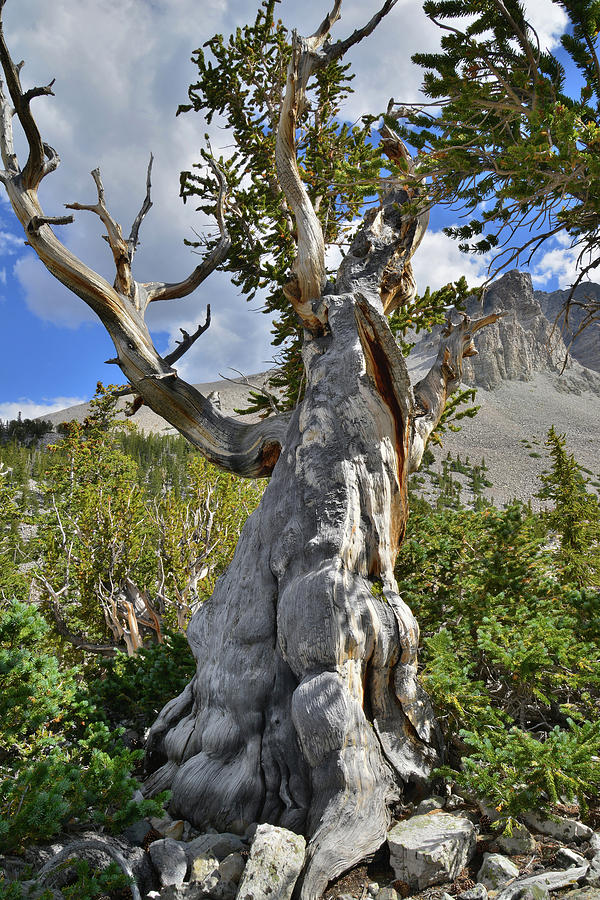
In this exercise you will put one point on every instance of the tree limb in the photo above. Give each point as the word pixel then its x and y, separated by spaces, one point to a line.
pixel 123 282
pixel 133 239
pixel 443 379
pixel 165 291
pixel 34 169
pixel 188 340
pixel 337 50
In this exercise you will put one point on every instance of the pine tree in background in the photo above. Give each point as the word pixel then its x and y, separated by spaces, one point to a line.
pixel 574 516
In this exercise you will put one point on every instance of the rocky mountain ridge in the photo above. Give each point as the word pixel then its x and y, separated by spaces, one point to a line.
pixel 522 390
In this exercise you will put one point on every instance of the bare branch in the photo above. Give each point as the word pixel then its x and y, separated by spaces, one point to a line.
pixel 34 167
pixel 120 250
pixel 133 239
pixel 319 36
pixel 442 379
pixel 36 222
pixel 77 639
pixel 338 49
pixel 174 291
pixel 188 340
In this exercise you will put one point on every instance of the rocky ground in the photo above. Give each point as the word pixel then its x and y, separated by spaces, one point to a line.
pixel 445 848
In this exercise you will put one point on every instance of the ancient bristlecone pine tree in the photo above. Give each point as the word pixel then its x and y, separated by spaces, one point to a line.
pixel 305 709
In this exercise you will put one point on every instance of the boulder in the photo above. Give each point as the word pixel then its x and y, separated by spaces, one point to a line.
pixel 170 861
pixel 427 850
pixel 595 843
pixel 496 871
pixel 276 859
pixel 519 841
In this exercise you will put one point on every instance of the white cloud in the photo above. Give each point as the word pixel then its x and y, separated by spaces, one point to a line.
pixel 438 261
pixel 560 262
pixel 549 21
pixel 31 409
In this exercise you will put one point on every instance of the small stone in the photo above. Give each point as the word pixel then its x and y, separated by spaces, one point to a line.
pixel 533 891
pixel 224 890
pixel 496 871
pixel 203 866
pixel 519 842
pixel 567 858
pixel 479 892
pixel 162 823
pixel 170 861
pixel 593 875
pixel 586 893
pixel 595 843
pixel 218 845
pixel 550 881
pixel 373 889
pixel 175 830
pixel 232 868
pixel 559 827
pixel 184 891
pixel 138 832
pixel 429 804
pixel 428 850
pixel 276 860
pixel 388 893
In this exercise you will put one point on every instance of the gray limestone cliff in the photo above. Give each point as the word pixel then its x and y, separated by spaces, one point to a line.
pixel 520 345
pixel 584 346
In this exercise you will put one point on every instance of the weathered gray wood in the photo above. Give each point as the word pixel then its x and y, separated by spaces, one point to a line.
pixel 305 710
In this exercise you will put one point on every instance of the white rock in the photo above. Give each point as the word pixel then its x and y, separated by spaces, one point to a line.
pixel 429 804
pixel 427 850
pixel 520 841
pixel 595 842
pixel 276 859
pixel 568 858
pixel 169 860
pixel 214 844
pixel 496 871
pixel 551 881
pixel 203 866
pixel 559 827
pixel 479 892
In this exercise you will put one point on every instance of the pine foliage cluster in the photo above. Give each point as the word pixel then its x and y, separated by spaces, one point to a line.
pixel 508 603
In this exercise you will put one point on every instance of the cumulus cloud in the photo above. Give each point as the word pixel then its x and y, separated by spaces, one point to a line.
pixel 438 261
pixel 121 69
pixel 30 409
pixel 558 264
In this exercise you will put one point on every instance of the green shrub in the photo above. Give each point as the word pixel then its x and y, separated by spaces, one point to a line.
pixel 58 760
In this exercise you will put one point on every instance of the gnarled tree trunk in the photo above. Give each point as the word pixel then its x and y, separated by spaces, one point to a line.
pixel 305 709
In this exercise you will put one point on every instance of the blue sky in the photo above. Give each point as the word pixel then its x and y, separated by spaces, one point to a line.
pixel 121 68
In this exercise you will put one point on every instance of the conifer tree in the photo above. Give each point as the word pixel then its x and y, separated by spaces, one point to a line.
pixel 503 136
pixel 574 515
